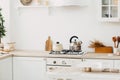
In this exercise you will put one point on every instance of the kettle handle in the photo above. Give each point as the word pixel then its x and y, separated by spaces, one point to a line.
pixel 72 38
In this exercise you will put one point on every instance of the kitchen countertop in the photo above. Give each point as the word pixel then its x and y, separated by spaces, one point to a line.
pixel 88 55
pixel 6 55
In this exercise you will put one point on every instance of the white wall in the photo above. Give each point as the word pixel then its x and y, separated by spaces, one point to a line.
pixel 30 27
pixel 4 4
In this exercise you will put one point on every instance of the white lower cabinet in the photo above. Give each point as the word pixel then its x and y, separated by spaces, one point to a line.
pixel 97 78
pixel 34 68
pixel 100 63
pixel 29 68
pixel 77 74
pixel 94 63
pixel 6 69
pixel 117 64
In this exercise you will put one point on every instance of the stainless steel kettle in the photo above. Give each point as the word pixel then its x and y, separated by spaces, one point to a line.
pixel 75 44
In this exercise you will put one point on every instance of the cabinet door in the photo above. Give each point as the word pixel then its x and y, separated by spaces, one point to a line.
pixel 117 64
pixel 100 63
pixel 109 10
pixel 6 69
pixel 97 78
pixel 29 68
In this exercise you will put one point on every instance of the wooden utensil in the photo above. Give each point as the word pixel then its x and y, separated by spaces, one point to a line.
pixel 114 39
pixel 118 41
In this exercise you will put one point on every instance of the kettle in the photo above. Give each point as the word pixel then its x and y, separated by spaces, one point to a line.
pixel 76 44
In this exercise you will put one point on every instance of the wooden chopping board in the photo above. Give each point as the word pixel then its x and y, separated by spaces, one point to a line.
pixel 48 44
pixel 106 50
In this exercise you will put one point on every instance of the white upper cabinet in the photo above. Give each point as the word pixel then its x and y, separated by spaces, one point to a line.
pixel 109 10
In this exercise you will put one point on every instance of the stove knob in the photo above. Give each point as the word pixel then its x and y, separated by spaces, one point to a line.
pixel 63 62
pixel 54 62
pixel 50 68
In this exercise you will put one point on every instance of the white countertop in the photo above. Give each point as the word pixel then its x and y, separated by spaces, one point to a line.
pixel 3 56
pixel 26 53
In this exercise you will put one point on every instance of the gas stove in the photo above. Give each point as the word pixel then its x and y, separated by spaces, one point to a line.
pixel 67 52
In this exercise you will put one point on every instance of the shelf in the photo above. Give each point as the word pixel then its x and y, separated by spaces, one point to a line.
pixel 33 7
pixel 48 6
pixel 109 5
pixel 21 8
pixel 54 3
pixel 110 19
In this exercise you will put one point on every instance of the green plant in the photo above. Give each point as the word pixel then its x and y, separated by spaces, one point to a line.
pixel 2 28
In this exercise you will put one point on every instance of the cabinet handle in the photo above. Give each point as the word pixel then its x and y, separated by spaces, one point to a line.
pixel 44 59
pixel 60 79
pixel 50 68
pixel 83 60
pixel 54 62
pixel 63 62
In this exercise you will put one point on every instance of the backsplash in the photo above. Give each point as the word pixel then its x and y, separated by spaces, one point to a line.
pixel 30 27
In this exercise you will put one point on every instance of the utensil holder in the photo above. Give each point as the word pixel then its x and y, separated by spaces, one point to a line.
pixel 116 51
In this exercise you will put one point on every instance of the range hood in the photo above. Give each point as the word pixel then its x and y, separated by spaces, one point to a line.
pixel 69 2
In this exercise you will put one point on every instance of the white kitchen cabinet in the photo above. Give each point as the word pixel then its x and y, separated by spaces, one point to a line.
pixel 98 77
pixel 100 63
pixel 29 68
pixel 109 10
pixel 6 69
pixel 117 64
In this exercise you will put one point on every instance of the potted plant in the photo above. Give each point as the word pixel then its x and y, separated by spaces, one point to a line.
pixel 2 29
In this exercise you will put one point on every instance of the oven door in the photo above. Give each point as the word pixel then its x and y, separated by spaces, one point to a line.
pixel 70 73
pixel 62 72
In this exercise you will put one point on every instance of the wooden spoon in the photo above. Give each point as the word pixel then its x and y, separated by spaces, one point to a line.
pixel 118 41
pixel 114 39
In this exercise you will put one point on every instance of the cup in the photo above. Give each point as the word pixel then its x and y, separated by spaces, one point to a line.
pixel 116 51
pixel 11 46
pixel 38 2
pixel 87 69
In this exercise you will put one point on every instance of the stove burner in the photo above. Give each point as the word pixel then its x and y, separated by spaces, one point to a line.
pixel 68 52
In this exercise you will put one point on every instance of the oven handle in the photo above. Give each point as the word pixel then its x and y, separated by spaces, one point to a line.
pixel 59 65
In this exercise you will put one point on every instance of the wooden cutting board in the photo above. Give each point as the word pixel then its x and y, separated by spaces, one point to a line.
pixel 108 49
pixel 48 44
